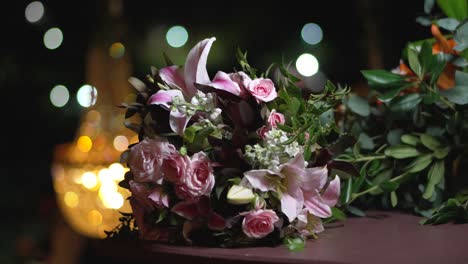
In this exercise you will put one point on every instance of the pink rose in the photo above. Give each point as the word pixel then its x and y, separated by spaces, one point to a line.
pixel 175 167
pixel 275 118
pixel 262 89
pixel 259 223
pixel 193 177
pixel 146 158
pixel 262 131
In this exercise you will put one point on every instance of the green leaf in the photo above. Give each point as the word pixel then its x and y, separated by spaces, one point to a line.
pixel 457 9
pixel 410 139
pixel 441 153
pixel 338 214
pixel 448 23
pixel 366 142
pixel 393 199
pixel 419 163
pixel 430 142
pixel 414 62
pixel 359 105
pixel 348 187
pixel 295 244
pixel 285 128
pixel 389 186
pixel 294 105
pixel 459 93
pixel 405 103
pixel 428 61
pixel 423 21
pixel 393 136
pixel 461 37
pixel 356 211
pixel 401 152
pixel 388 95
pixel 381 79
pixel 435 175
pixel 428 5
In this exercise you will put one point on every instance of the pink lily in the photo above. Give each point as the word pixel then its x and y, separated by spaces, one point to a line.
pixel 298 187
pixel 183 80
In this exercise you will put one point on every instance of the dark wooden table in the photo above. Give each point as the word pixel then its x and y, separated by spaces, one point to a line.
pixel 382 237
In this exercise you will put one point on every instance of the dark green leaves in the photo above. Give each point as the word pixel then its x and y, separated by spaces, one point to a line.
pixel 381 79
pixel 461 37
pixel 452 210
pixel 405 103
pixel 457 9
pixel 358 105
pixel 459 93
pixel 429 142
pixel 448 23
pixel 401 152
pixel 435 175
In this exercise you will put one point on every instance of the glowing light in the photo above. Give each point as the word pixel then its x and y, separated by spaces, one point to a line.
pixel 71 199
pixel 59 96
pixel 117 50
pixel 117 171
pixel 113 200
pixel 120 143
pixel 177 36
pixel 312 33
pixel 94 217
pixel 89 180
pixel 84 143
pixel 34 11
pixel 307 64
pixel 53 38
pixel 87 95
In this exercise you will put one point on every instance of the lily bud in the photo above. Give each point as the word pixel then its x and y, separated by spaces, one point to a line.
pixel 239 195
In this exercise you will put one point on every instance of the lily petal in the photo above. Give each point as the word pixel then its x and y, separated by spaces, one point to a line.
pixel 163 97
pixel 159 198
pixel 178 122
pixel 216 222
pixel 222 81
pixel 294 167
pixel 292 203
pixel 314 178
pixel 259 180
pixel 173 76
pixel 195 66
pixel 187 210
pixel 332 193
pixel 316 205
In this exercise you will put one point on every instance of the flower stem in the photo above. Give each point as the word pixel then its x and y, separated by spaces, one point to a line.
pixel 366 158
pixel 354 196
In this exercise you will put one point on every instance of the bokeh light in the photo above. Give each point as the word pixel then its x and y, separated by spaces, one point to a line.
pixel 177 36
pixel 312 33
pixel 117 171
pixel 117 50
pixel 307 65
pixel 84 144
pixel 53 38
pixel 59 96
pixel 94 217
pixel 120 143
pixel 71 199
pixel 89 180
pixel 87 95
pixel 34 11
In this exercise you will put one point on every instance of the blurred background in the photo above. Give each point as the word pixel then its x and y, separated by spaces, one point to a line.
pixel 64 66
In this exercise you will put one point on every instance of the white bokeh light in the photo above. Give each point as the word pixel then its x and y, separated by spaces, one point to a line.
pixel 87 95
pixel 34 11
pixel 312 33
pixel 53 38
pixel 177 36
pixel 307 65
pixel 59 96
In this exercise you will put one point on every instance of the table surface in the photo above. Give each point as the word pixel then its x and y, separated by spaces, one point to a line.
pixel 381 237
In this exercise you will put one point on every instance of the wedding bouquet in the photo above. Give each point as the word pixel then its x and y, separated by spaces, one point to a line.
pixel 238 159
pixel 412 128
